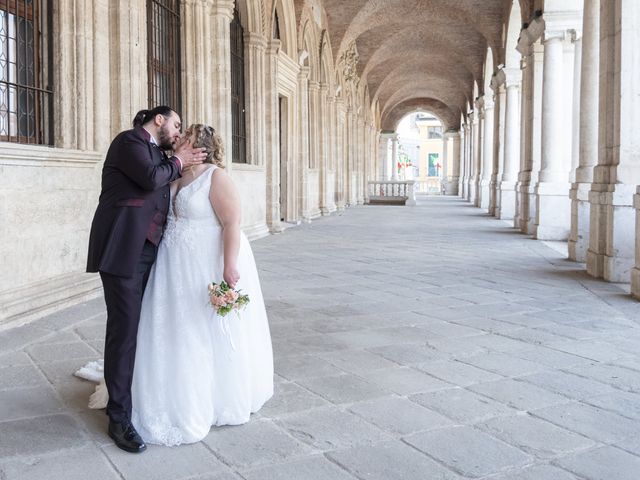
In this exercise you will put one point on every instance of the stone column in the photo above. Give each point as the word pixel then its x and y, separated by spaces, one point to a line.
pixel 473 155
pixel 255 45
pixel 394 157
pixel 487 153
pixel 383 153
pixel 612 234
pixel 303 142
pixel 635 272
pixel 497 85
pixel 219 84
pixel 341 156
pixel 588 132
pixel 553 205
pixel 453 163
pixel 272 145
pixel 478 148
pixel 532 51
pixel 461 160
pixel 126 54
pixel 512 127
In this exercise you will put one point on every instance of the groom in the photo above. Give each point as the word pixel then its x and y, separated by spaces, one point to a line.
pixel 125 233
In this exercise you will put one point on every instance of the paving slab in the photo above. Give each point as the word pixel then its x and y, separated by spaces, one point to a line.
pixel 468 451
pixel 390 461
pixel 604 463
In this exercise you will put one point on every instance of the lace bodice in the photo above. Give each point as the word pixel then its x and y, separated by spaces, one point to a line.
pixel 190 212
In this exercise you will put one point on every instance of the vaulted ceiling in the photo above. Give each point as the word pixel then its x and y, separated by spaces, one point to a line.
pixel 419 54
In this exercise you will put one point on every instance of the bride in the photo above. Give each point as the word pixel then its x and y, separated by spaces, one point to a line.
pixel 194 369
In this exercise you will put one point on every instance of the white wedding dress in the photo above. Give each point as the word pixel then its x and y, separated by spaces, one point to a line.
pixel 194 369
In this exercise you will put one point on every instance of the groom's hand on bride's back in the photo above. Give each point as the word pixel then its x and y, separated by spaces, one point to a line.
pixel 189 155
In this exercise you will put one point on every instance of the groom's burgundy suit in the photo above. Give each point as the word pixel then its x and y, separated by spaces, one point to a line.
pixel 126 230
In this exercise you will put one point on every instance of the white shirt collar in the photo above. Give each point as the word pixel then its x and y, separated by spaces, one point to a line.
pixel 152 141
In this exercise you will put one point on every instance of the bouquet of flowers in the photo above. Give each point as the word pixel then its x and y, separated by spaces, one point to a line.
pixel 225 299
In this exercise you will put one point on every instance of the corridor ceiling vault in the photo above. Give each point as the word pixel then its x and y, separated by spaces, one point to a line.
pixel 420 54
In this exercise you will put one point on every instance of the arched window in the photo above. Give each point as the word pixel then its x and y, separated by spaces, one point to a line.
pixel 238 127
pixel 163 51
pixel 26 114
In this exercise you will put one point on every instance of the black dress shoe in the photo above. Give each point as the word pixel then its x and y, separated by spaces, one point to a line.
pixel 126 437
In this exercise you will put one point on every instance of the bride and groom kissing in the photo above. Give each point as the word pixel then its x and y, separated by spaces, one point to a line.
pixel 165 227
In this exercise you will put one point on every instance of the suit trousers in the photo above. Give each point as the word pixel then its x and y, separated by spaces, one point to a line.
pixel 123 297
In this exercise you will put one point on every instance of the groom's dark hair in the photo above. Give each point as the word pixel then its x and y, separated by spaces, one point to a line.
pixel 143 116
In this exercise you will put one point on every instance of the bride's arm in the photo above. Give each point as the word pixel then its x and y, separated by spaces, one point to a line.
pixel 226 203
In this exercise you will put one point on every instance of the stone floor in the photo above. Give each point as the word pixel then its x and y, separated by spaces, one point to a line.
pixel 410 343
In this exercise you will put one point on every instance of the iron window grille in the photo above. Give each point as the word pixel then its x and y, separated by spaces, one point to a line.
pixel 163 43
pixel 26 97
pixel 238 113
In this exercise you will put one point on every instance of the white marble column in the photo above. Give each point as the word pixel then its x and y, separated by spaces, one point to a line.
pixel 612 234
pixel 588 132
pixel 255 45
pixel 303 143
pixel 219 84
pixel 473 156
pixel 553 212
pixel 487 152
pixel 453 163
pixel 461 160
pixel 394 157
pixel 512 129
pixel 498 142
pixel 272 145
pixel 383 154
pixel 478 149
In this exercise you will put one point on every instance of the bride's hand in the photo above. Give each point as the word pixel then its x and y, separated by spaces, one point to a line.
pixel 231 276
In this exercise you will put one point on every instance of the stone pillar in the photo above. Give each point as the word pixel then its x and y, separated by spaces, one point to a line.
pixel 341 154
pixel 532 50
pixel 507 192
pixel 394 157
pixel 383 153
pixel 478 147
pixel 272 145
pixel 219 84
pixel 588 132
pixel 453 163
pixel 473 156
pixel 497 85
pixel 487 153
pixel 255 45
pixel 303 142
pixel 461 160
pixel 612 234
pixel 325 140
pixel 552 191
pixel 635 272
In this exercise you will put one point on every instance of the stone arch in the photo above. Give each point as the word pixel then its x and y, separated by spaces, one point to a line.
pixel 250 13
pixel 447 117
pixel 513 27
pixel 286 18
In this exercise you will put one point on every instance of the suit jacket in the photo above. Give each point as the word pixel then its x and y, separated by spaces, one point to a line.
pixel 135 193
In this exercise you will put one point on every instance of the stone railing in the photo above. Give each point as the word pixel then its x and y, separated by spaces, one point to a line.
pixel 392 192
pixel 430 186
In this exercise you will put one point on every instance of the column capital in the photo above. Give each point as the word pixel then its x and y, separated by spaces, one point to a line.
pixel 255 40
pixel 314 86
pixel 529 35
pixel 303 73
pixel 273 46
pixel 452 134
pixel 323 86
pixel 223 8
pixel 509 77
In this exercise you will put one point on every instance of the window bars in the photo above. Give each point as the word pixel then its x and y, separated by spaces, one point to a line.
pixel 238 125
pixel 26 103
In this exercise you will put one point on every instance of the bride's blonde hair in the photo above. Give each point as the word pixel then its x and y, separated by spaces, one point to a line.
pixel 206 136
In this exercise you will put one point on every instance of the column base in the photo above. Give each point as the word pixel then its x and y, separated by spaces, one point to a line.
pixel 451 186
pixel 530 209
pixel 635 283
pixel 471 191
pixel 580 210
pixel 327 210
pixel 553 211
pixel 506 208
pixel 612 231
pixel 484 200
